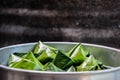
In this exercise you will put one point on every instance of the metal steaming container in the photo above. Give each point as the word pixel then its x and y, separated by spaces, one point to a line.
pixel 107 55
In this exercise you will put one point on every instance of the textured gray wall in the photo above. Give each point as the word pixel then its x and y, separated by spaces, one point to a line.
pixel 90 21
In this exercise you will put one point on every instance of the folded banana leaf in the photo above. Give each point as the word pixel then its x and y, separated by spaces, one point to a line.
pixel 77 54
pixel 89 64
pixel 14 58
pixel 28 62
pixel 62 61
pixel 39 47
pixel 44 53
pixel 47 58
pixel 51 67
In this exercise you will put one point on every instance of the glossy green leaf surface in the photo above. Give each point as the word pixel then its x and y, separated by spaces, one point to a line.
pixel 77 54
pixel 29 62
pixel 44 53
pixel 89 64
pixel 14 58
pixel 62 61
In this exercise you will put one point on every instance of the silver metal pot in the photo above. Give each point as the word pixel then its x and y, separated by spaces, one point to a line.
pixel 107 55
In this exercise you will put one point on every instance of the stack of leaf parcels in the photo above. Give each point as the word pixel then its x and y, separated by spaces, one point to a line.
pixel 47 58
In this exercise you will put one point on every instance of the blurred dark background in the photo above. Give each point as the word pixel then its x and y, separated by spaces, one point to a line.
pixel 88 21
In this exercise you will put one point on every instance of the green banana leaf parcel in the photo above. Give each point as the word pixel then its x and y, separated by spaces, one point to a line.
pixel 47 58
